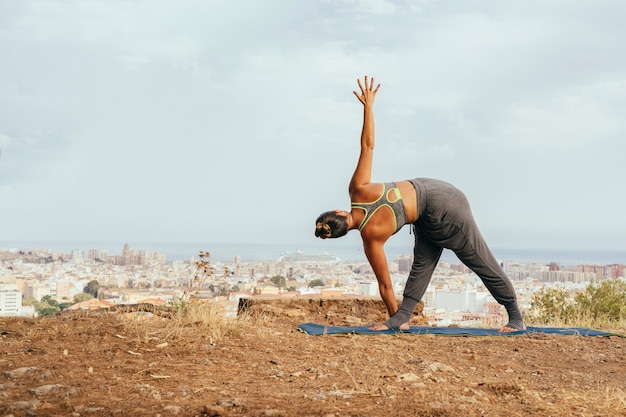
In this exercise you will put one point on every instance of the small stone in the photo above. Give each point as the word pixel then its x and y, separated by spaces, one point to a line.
pixel 90 410
pixel 72 392
pixel 19 372
pixel 172 409
pixel 6 386
pixel 408 377
pixel 440 367
pixel 45 389
pixel 212 411
pixel 45 375
pixel 231 403
pixel 23 405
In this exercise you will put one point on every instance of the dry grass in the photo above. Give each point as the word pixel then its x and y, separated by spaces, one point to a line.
pixel 581 320
pixel 258 365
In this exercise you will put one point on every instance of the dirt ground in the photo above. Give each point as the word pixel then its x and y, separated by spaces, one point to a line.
pixel 116 364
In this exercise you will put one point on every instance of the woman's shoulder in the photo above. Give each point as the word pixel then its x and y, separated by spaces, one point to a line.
pixel 366 192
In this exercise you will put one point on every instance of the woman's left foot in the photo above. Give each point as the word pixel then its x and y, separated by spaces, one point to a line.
pixel 403 326
pixel 509 329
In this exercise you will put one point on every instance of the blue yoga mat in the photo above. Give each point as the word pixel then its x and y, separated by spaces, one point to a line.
pixel 320 329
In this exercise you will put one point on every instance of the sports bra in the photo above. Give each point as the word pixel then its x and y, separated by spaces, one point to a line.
pixel 396 206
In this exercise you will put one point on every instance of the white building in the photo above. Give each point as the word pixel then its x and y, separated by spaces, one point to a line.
pixel 463 299
pixel 369 288
pixel 36 290
pixel 10 300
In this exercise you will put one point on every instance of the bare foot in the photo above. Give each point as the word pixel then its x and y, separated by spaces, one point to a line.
pixel 507 329
pixel 403 326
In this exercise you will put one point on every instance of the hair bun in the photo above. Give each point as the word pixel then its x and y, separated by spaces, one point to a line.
pixel 322 230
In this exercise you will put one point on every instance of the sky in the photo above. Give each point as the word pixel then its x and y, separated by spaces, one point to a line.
pixel 224 121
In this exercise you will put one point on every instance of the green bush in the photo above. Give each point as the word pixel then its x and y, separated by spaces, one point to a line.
pixel 603 303
pixel 551 307
pixel 316 283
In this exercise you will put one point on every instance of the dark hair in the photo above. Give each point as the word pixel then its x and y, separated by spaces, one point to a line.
pixel 331 225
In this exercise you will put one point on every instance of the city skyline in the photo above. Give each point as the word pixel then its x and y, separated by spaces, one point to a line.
pixel 225 253
pixel 220 122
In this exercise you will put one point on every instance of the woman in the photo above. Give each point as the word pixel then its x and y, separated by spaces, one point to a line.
pixel 441 218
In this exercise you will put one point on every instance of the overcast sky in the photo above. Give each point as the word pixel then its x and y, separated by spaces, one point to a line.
pixel 234 121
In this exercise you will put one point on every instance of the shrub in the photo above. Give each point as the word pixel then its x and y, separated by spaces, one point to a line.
pixel 600 304
pixel 604 302
pixel 551 307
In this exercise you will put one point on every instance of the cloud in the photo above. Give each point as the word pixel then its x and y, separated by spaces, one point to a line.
pixel 201 120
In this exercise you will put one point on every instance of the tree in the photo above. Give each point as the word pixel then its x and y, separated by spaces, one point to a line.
pixel 47 310
pixel 47 299
pixel 316 283
pixel 92 288
pixel 279 281
pixel 47 306
pixel 82 296
pixel 223 290
pixel 63 306
pixel 30 301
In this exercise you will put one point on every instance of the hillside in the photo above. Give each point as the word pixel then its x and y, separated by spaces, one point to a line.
pixel 136 364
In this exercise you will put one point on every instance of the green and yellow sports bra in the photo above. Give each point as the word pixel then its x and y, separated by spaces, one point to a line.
pixel 396 206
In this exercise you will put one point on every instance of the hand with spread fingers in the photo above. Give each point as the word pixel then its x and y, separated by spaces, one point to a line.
pixel 368 92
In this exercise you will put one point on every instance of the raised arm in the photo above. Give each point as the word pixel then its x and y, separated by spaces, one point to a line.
pixel 363 173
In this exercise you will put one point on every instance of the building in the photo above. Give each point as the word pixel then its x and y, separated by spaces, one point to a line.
pixel 65 290
pixel 10 300
pixel 36 290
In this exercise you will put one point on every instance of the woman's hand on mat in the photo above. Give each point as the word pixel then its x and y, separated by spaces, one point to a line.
pixel 380 327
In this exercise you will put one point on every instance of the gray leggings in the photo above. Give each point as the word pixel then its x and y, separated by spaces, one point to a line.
pixel 445 220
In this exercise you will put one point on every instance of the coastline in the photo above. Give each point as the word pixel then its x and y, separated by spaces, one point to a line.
pixel 226 252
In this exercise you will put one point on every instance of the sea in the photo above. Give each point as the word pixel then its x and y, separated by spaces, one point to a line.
pixel 226 252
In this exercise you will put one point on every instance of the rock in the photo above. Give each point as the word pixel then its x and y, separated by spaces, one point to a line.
pixel 45 389
pixel 45 375
pixel 31 405
pixel 439 367
pixel 231 403
pixel 6 386
pixel 408 377
pixel 72 392
pixel 270 412
pixel 212 411
pixel 90 410
pixel 172 409
pixel 19 372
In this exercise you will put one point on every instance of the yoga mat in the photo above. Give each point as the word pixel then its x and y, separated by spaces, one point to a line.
pixel 320 329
